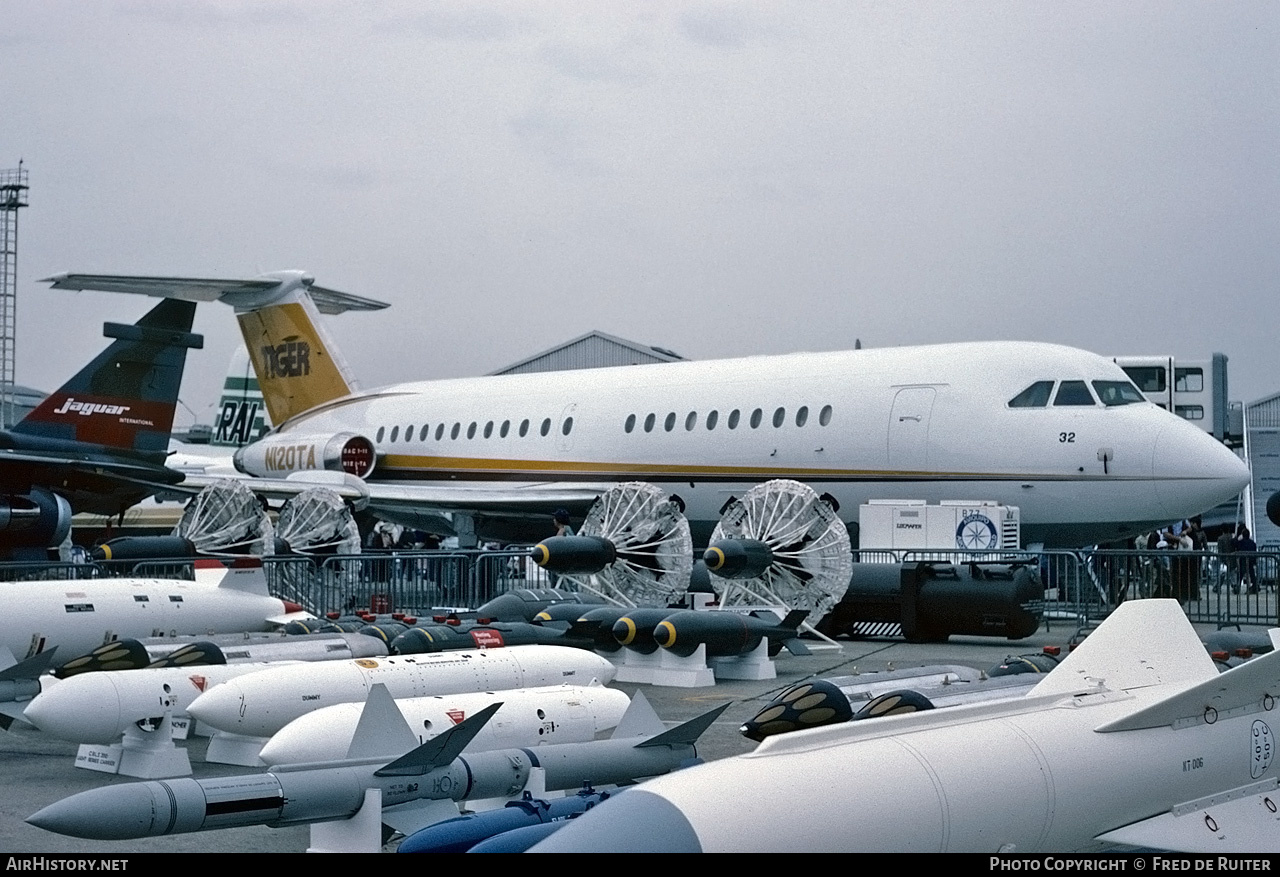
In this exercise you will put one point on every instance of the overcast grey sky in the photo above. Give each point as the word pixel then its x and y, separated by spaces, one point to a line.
pixel 716 178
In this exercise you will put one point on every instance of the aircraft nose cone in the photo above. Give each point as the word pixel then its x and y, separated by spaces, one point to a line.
pixel 1193 471
pixel 634 821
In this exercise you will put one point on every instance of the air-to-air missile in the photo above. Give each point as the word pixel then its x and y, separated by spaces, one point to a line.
pixel 529 717
pixel 435 774
pixel 79 615
pixel 1135 738
pixel 260 704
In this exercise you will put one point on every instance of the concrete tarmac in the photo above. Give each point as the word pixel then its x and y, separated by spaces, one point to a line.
pixel 37 770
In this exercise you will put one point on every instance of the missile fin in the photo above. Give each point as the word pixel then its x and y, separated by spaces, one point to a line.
pixel 439 751
pixel 686 734
pixel 639 720
pixel 1142 643
pixel 31 668
pixel 1242 686
pixel 796 647
pixel 1242 816
pixel 382 729
pixel 794 619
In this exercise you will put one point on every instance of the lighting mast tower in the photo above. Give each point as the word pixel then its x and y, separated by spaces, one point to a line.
pixel 13 196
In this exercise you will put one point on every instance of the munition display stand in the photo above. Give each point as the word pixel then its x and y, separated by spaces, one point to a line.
pixel 664 668
pixel 147 755
pixel 754 665
pixel 227 748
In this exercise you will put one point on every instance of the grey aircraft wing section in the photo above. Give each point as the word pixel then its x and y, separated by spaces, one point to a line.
pixel 327 301
pixel 391 500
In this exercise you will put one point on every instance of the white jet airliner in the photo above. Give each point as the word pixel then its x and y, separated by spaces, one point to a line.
pixel 1059 432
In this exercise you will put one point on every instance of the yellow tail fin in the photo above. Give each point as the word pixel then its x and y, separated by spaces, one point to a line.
pixel 297 365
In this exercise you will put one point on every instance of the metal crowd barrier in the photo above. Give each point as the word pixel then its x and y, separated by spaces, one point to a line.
pixel 1080 586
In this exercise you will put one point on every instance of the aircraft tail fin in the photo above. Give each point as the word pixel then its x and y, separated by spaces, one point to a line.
pixel 126 397
pixel 242 413
pixel 297 365
pixel 1142 643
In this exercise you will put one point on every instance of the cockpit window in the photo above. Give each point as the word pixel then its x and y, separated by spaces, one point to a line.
pixel 1073 393
pixel 1034 396
pixel 1117 393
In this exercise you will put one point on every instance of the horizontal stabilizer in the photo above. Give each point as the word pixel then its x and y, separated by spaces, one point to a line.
pixel 327 301
pixel 1142 643
pixel 1229 823
pixel 439 751
pixel 686 734
pixel 1245 685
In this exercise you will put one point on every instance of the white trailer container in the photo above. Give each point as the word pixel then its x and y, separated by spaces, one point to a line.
pixel 910 524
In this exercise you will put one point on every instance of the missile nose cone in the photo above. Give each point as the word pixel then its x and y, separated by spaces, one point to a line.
pixel 218 706
pixel 108 813
pixel 635 821
pixel 82 709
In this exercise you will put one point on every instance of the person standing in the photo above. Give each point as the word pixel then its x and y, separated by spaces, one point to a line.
pixel 1247 566
pixel 563 528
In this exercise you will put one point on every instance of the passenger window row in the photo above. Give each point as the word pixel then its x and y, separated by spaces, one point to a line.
pixel 472 429
pixel 732 421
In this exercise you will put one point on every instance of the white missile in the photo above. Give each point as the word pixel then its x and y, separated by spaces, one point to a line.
pixel 529 717
pixel 359 794
pixel 99 707
pixel 260 704
pixel 79 615
pixel 1135 739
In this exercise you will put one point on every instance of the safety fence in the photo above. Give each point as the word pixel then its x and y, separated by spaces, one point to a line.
pixel 1079 586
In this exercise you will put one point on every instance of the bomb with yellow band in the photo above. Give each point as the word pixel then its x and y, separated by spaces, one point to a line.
pixel 635 629
pixel 738 558
pixel 574 555
pixel 728 634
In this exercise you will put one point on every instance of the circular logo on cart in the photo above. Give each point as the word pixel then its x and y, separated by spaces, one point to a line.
pixel 976 532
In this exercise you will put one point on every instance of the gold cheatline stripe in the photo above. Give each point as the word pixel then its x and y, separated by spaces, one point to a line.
pixel 405 462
